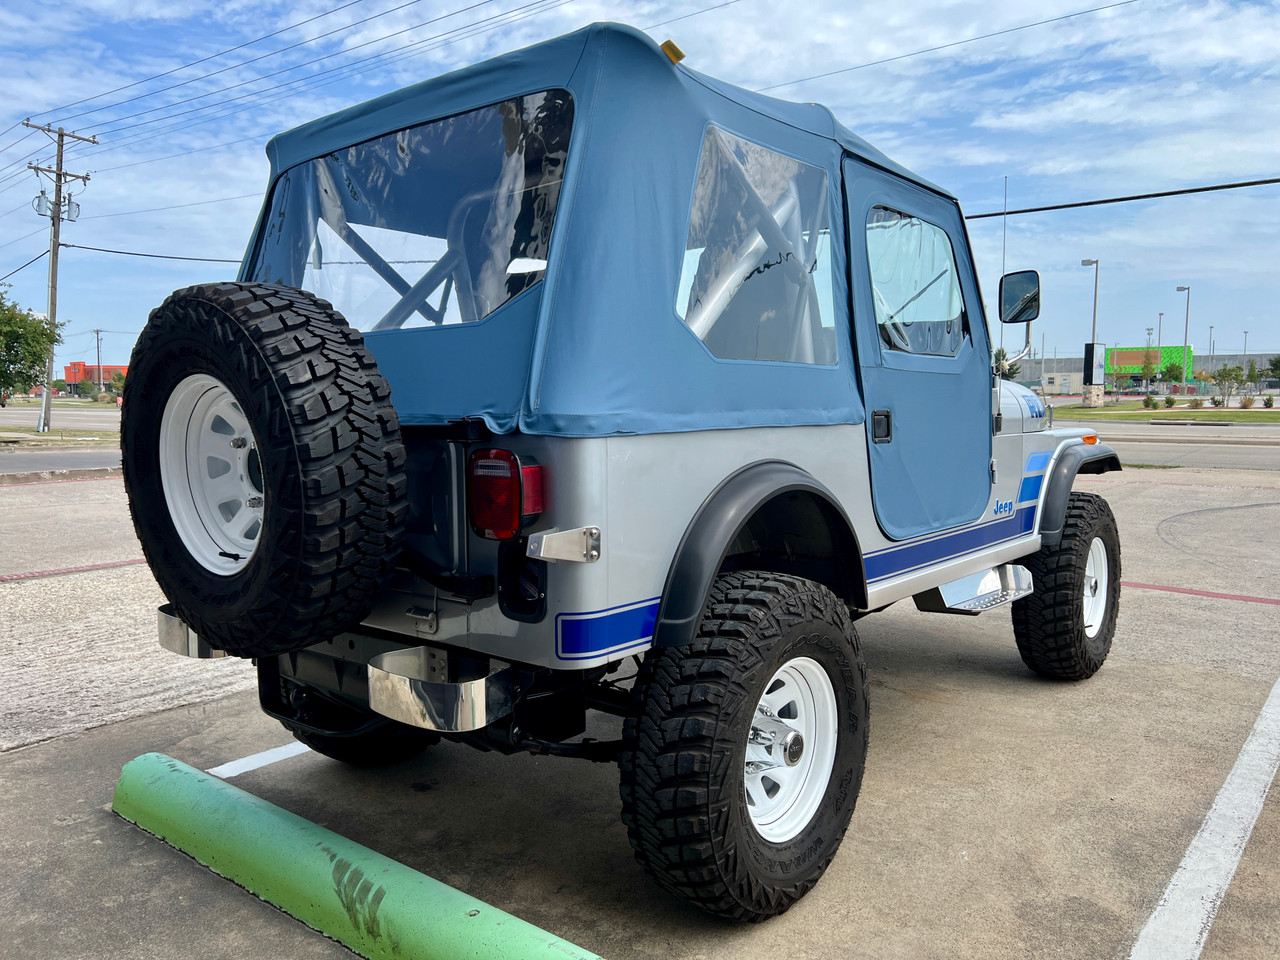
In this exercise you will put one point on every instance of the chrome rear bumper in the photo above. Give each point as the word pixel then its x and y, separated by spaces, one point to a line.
pixel 409 685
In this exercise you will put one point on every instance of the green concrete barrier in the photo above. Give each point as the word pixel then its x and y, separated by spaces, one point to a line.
pixel 376 906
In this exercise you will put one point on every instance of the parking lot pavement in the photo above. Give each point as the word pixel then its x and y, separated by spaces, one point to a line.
pixel 1000 816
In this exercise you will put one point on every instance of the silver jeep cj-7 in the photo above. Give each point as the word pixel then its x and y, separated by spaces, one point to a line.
pixel 604 359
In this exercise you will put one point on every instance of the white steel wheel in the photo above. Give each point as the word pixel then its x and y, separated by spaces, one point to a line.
pixel 1065 626
pixel 1096 583
pixel 791 747
pixel 211 473
pixel 741 766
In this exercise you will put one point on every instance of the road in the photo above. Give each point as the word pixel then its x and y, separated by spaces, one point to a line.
pixel 102 416
pixel 1218 454
pixel 37 459
pixel 1239 446
pixel 1000 816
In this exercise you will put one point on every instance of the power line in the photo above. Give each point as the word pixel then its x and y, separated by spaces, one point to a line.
pixel 42 253
pixel 975 216
pixel 1185 191
pixel 453 35
pixel 24 203
pixel 655 26
pixel 152 256
pixel 21 238
pixel 10 146
pixel 184 153
pixel 193 63
pixel 327 56
pixel 243 63
pixel 176 206
pixel 945 46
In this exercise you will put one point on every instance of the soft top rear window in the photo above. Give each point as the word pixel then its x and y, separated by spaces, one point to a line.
pixel 435 224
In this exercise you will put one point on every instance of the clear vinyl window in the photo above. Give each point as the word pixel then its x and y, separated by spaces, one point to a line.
pixel 919 308
pixel 756 282
pixel 435 224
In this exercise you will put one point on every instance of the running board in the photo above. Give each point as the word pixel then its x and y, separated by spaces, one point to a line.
pixel 977 592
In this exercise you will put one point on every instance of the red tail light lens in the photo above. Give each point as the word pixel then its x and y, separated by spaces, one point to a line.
pixel 502 493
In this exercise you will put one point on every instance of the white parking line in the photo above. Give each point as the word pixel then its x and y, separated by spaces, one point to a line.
pixel 1180 924
pixel 245 764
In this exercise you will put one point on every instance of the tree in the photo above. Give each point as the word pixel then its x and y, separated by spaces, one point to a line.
pixel 1273 367
pixel 1252 375
pixel 117 383
pixel 60 386
pixel 1007 371
pixel 1172 372
pixel 1148 367
pixel 1227 380
pixel 25 343
pixel 86 388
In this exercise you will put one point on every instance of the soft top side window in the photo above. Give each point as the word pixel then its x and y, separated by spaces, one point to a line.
pixel 756 282
pixel 915 286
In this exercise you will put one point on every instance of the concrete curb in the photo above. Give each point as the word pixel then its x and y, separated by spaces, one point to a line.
pixel 372 904
pixel 53 476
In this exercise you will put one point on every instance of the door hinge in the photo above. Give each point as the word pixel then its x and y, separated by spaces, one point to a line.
pixel 993 470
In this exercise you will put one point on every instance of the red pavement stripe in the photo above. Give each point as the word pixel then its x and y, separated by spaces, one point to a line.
pixel 6 577
pixel 1200 593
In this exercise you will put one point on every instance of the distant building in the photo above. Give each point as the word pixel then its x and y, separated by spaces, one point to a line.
pixel 80 372
pixel 1124 364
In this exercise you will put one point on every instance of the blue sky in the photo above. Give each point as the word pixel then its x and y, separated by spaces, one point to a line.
pixel 1140 97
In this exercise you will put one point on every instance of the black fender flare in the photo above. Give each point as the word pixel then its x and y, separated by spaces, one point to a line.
pixel 1076 458
pixel 717 523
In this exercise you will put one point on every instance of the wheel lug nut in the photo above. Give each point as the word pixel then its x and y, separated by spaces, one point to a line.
pixel 253 502
pixel 239 443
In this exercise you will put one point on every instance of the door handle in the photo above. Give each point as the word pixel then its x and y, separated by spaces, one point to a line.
pixel 881 426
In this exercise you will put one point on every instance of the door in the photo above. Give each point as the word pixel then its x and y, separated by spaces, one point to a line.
pixel 923 354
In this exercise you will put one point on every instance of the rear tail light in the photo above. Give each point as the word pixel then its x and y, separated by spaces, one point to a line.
pixel 502 493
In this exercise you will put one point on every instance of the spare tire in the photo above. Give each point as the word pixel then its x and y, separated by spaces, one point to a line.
pixel 264 465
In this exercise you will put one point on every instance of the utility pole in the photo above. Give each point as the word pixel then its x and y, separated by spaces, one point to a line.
pixel 59 177
pixel 98 336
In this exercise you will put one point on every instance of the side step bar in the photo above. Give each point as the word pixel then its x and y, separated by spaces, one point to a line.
pixel 977 592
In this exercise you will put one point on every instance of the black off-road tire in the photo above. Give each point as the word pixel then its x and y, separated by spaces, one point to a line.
pixel 1049 624
pixel 682 763
pixel 331 464
pixel 381 747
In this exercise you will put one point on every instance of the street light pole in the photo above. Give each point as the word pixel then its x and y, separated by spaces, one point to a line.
pixel 1094 264
pixel 1211 349
pixel 1186 336
pixel 1094 395
pixel 1146 385
pixel 1159 347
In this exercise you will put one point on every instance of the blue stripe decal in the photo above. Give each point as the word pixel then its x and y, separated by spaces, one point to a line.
pixel 1030 489
pixel 890 563
pixel 581 636
pixel 1038 461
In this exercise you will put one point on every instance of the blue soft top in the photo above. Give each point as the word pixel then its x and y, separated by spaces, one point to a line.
pixel 597 349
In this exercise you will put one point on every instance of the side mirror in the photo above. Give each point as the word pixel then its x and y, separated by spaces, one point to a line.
pixel 1019 297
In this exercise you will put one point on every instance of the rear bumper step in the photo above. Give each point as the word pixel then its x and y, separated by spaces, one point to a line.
pixel 409 685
